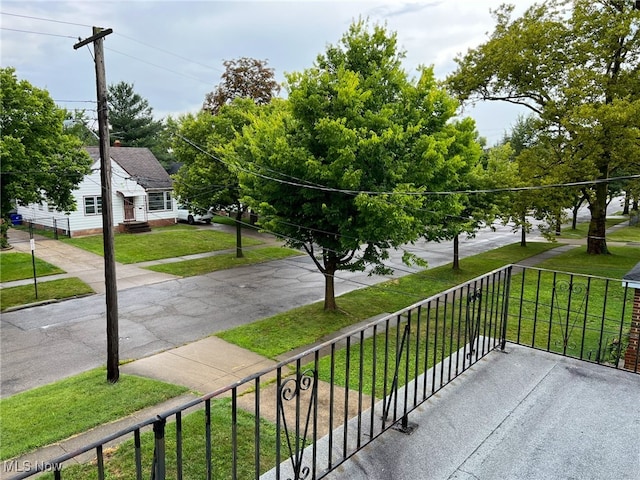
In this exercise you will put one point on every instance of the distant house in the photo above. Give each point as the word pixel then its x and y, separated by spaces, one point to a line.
pixel 141 196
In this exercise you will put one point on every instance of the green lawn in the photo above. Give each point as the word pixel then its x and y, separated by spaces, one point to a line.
pixel 625 234
pixel 19 265
pixel 582 228
pixel 120 462
pixel 54 412
pixel 305 325
pixel 169 242
pixel 615 265
pixel 201 266
pixel 50 290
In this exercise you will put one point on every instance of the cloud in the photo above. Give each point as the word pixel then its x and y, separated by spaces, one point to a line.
pixel 172 51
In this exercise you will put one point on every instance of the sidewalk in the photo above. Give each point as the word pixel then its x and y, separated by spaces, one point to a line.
pixel 79 263
pixel 89 267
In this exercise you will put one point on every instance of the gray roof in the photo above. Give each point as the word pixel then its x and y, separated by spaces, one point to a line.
pixel 140 163
pixel 634 274
pixel 524 414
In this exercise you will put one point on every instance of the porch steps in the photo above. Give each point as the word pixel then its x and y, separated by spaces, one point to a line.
pixel 136 227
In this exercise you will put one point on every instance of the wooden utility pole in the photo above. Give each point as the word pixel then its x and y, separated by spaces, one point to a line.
pixel 113 358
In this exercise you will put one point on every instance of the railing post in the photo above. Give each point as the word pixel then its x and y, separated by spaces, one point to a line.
pixel 505 307
pixel 159 471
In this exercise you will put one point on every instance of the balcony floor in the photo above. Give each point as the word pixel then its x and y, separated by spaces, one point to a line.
pixel 523 414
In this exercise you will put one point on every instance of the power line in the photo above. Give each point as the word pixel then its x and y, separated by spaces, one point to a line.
pixel 299 182
pixel 158 66
pixel 168 52
pixel 37 33
pixel 45 20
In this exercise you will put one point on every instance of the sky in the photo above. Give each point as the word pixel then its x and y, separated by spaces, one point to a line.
pixel 173 51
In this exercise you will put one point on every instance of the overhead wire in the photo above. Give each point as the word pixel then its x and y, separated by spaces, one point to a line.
pixel 36 33
pixel 302 183
pixel 44 19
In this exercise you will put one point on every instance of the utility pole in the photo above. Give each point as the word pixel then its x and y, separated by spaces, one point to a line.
pixel 113 359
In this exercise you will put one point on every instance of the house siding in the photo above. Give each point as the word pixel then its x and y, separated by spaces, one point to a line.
pixel 79 223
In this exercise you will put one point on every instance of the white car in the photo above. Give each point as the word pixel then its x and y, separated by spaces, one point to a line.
pixel 185 215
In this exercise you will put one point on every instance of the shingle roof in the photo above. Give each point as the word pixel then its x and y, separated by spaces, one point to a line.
pixel 138 162
pixel 634 274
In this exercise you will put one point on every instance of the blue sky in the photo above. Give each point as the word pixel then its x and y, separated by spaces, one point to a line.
pixel 172 51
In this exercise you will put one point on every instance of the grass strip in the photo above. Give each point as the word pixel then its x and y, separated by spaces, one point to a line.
pixel 50 413
pixel 615 265
pixel 201 266
pixel 625 234
pixel 582 228
pixel 162 243
pixel 50 290
pixel 120 461
pixel 305 325
pixel 19 266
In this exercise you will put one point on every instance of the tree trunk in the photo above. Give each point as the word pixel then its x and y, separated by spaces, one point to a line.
pixel 558 226
pixel 456 253
pixel 596 240
pixel 574 219
pixel 523 230
pixel 239 253
pixel 627 202
pixel 329 290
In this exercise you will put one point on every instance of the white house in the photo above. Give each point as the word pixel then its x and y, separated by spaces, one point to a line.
pixel 141 196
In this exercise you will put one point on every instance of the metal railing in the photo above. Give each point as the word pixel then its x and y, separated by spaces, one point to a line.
pixel 311 413
pixel 57 226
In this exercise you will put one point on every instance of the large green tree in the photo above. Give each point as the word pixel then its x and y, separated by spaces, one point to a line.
pixel 469 169
pixel 39 161
pixel 339 169
pixel 131 117
pixel 204 180
pixel 575 64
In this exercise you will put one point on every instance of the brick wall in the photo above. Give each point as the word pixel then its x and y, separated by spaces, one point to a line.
pixel 632 356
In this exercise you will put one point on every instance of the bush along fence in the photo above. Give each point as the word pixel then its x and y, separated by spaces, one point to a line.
pixel 311 413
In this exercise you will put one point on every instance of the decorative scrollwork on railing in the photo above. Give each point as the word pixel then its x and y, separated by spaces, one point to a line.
pixel 573 287
pixel 474 304
pixel 292 389
pixel 568 304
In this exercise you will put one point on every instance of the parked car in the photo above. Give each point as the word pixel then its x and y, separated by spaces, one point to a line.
pixel 186 215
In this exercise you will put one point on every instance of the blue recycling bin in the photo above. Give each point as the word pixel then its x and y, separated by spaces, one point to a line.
pixel 16 219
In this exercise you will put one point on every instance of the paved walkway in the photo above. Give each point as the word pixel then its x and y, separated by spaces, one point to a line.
pixel 89 267
pixel 203 366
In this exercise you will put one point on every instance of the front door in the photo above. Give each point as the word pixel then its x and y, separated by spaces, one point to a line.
pixel 129 213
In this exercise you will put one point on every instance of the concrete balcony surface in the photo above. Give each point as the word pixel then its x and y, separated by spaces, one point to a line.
pixel 522 414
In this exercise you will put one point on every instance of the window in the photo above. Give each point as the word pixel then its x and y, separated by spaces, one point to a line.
pixel 92 205
pixel 160 201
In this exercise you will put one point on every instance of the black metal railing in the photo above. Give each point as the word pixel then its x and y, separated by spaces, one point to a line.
pixel 311 413
pixel 580 316
pixel 49 225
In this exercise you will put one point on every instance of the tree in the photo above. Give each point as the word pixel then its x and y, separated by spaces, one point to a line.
pixel 243 78
pixel 340 168
pixel 131 118
pixel 204 180
pixel 576 66
pixel 39 161
pixel 470 211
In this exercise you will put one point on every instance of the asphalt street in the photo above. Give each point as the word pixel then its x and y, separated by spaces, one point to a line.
pixel 46 343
